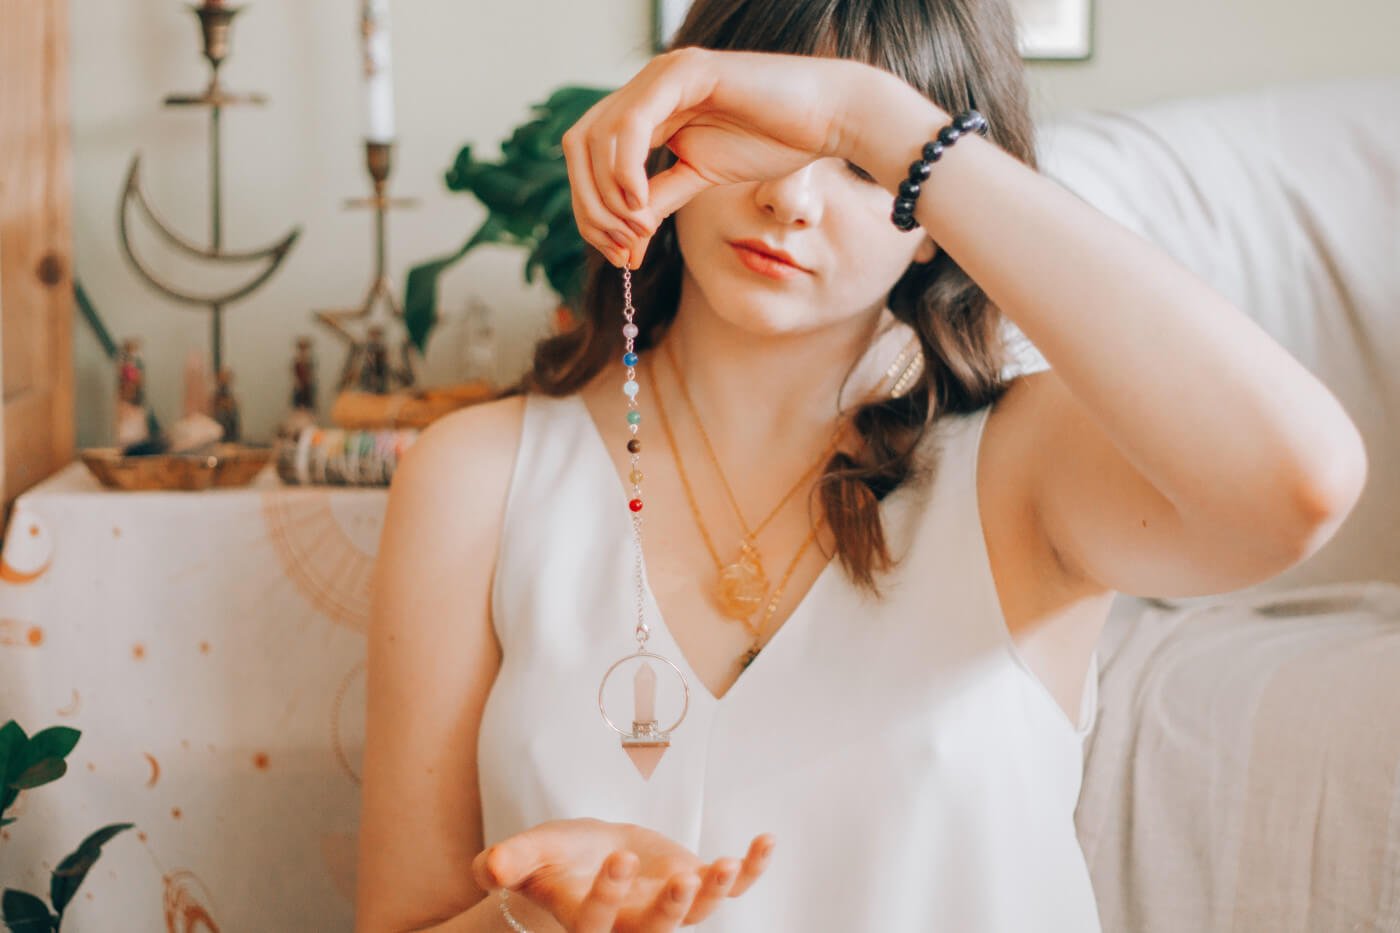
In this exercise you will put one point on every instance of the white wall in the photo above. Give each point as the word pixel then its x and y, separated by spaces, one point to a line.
pixel 467 70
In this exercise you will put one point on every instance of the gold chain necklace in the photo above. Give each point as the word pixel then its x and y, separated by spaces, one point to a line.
pixel 755 628
pixel 743 583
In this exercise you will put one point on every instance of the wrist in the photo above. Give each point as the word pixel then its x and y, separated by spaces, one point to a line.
pixel 887 125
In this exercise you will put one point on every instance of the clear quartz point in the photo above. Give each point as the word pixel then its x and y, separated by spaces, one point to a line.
pixel 647 743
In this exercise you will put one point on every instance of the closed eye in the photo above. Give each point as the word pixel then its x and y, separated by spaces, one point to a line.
pixel 859 172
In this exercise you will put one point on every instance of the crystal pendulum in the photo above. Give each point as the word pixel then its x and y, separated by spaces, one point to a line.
pixel 645 742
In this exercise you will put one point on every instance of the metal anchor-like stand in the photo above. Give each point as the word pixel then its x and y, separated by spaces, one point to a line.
pixel 215 19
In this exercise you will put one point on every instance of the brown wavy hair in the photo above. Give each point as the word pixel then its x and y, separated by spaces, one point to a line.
pixel 960 54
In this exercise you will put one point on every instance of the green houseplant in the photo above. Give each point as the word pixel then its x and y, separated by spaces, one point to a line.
pixel 25 763
pixel 526 193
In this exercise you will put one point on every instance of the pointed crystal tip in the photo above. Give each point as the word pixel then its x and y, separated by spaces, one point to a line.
pixel 646 758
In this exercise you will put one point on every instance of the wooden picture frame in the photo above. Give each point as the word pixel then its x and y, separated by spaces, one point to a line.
pixel 1049 30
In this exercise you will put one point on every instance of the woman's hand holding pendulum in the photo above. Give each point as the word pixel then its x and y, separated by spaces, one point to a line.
pixel 595 876
pixel 728 116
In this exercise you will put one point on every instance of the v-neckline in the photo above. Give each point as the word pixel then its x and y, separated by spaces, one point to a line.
pixel 622 496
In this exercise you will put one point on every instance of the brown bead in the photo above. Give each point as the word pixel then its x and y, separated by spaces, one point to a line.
pixel 634 446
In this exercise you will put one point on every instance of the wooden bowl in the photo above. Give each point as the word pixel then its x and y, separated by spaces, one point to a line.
pixel 222 465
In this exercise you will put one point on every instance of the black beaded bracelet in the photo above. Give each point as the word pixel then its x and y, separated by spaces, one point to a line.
pixel 969 121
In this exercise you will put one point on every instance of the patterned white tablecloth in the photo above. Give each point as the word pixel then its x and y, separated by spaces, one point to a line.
pixel 210 647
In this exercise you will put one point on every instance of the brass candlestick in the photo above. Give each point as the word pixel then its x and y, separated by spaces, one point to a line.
pixel 363 350
pixel 215 20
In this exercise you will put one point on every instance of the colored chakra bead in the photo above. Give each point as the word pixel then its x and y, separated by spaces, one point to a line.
pixel 634 417
pixel 630 388
pixel 629 359
pixel 634 446
pixel 629 330
pixel 635 505
pixel 635 477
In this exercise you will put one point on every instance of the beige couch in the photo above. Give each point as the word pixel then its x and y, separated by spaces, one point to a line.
pixel 1244 772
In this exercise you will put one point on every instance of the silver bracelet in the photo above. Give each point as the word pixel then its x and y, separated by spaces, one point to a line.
pixel 505 912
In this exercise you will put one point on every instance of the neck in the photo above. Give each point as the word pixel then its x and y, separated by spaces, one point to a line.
pixel 750 391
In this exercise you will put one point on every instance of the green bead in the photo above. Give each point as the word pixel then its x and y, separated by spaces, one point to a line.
pixel 634 417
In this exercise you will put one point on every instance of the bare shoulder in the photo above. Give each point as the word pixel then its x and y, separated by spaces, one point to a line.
pixel 479 441
pixel 432 658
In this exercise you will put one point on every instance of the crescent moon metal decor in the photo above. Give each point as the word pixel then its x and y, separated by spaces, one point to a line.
pixel 133 195
pixel 215 22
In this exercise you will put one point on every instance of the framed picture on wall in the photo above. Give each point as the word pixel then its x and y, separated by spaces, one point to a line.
pixel 1049 30
pixel 1055 30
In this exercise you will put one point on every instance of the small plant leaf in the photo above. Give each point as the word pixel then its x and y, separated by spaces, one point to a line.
pixel 40 773
pixel 25 913
pixel 69 874
pixel 12 742
pixel 54 742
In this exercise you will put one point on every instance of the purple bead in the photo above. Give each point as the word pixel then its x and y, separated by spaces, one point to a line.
pixel 971 122
pixel 949 135
pixel 933 151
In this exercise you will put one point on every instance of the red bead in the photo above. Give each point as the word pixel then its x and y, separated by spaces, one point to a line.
pixel 635 505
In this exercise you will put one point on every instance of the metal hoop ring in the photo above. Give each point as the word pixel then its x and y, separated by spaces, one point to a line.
pixel 644 654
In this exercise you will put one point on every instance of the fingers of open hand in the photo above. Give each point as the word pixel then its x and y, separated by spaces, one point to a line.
pixel 716 882
pixel 598 911
pixel 671 904
pixel 760 851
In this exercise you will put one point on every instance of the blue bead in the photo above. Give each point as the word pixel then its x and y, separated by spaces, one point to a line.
pixel 629 359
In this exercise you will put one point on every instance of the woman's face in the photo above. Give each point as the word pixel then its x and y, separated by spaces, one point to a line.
pixel 831 218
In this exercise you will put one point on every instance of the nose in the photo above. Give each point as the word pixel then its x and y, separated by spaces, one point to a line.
pixel 794 198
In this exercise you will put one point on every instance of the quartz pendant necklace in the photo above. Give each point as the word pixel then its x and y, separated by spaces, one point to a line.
pixel 646 741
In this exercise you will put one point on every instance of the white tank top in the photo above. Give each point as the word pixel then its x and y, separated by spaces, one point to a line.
pixel 915 773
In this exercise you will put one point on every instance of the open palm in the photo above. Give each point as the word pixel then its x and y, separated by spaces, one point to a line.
pixel 564 866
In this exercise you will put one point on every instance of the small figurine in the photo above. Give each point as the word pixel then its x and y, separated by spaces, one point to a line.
pixel 303 412
pixel 226 406
pixel 132 426
pixel 304 376
pixel 374 376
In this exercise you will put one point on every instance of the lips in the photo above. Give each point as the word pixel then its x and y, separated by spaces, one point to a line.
pixel 759 246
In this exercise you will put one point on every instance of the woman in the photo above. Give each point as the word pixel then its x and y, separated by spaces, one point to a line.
pixel 934 553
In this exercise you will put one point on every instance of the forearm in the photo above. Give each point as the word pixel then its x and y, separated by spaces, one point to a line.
pixel 1237 428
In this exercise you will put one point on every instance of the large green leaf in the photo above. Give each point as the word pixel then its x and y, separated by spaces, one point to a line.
pixel 420 288
pixel 25 913
pixel 528 202
pixel 69 874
